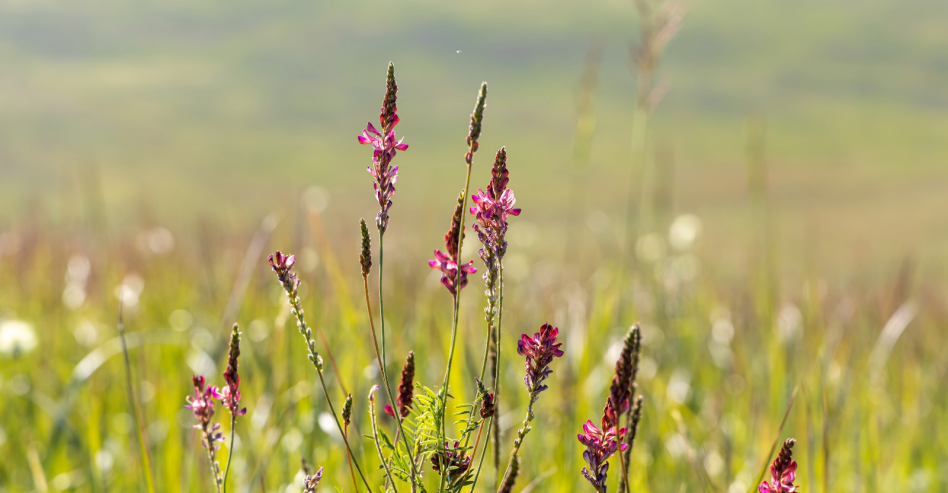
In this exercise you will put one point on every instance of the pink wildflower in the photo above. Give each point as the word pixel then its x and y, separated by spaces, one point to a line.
pixel 384 147
pixel 447 263
pixel 540 351
pixel 783 471
pixel 600 445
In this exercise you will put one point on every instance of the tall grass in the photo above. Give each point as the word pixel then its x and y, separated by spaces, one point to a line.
pixel 865 418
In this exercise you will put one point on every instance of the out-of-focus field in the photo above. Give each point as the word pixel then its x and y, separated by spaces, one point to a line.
pixel 143 148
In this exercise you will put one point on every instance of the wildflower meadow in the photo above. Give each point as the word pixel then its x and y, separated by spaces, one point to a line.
pixel 588 321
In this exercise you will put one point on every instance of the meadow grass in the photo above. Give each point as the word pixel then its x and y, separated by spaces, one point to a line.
pixel 721 359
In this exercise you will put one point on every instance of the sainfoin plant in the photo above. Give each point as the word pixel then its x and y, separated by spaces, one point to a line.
pixel 434 449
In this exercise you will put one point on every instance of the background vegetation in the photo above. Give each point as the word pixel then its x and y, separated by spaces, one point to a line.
pixel 148 150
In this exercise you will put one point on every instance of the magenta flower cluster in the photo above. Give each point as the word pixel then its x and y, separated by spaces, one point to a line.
pixel 384 147
pixel 783 472
pixel 600 444
pixel 202 404
pixel 449 270
pixel 492 208
pixel 447 263
pixel 540 351
pixel 283 266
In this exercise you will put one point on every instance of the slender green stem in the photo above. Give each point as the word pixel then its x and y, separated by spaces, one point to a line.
pixel 211 457
pixel 480 463
pixel 454 334
pixel 378 448
pixel 342 432
pixel 378 355
pixel 230 451
pixel 457 288
pixel 521 433
pixel 385 486
pixel 496 383
pixel 317 363
pixel 490 332
pixel 383 360
pixel 355 484
pixel 136 411
pixel 457 298
pixel 467 474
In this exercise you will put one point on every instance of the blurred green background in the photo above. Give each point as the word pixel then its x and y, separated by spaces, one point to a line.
pixel 227 110
pixel 142 145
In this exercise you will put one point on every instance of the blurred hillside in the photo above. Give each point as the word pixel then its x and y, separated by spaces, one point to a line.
pixel 176 112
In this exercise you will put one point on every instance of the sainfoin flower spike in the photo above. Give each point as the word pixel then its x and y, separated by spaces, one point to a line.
pixel 492 208
pixel 202 405
pixel 230 393
pixel 447 263
pixel 783 471
pixel 384 147
pixel 620 392
pixel 600 445
pixel 603 441
pixel 283 266
pixel 540 351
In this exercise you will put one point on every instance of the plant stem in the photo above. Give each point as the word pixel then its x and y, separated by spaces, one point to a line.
pixel 457 298
pixel 136 411
pixel 378 448
pixel 322 382
pixel 480 463
pixel 378 355
pixel 496 382
pixel 230 451
pixel 382 359
pixel 457 288
pixel 215 470
pixel 317 363
pixel 355 484
pixel 477 441
pixel 385 486
pixel 491 335
pixel 521 433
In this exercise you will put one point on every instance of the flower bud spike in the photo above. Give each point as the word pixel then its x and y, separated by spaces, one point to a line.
pixel 406 387
pixel 783 471
pixel 365 258
pixel 477 118
pixel 347 411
